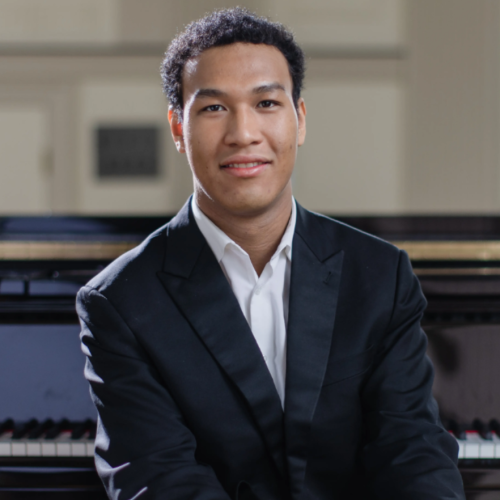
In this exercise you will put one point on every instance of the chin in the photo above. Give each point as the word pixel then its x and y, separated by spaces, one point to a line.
pixel 249 205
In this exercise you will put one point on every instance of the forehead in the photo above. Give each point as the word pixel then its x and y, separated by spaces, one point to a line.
pixel 236 67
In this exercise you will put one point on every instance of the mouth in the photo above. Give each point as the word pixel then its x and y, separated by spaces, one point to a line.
pixel 245 165
pixel 246 170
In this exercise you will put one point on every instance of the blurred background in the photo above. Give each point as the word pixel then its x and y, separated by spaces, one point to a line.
pixel 403 105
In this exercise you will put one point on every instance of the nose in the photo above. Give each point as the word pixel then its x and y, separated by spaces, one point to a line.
pixel 243 128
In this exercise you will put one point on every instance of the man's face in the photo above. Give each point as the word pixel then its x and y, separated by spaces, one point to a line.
pixel 240 127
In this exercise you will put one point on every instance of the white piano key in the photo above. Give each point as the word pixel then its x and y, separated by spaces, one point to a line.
pixel 461 448
pixel 487 449
pixel 471 450
pixel 90 449
pixel 34 449
pixel 63 449
pixel 472 444
pixel 49 449
pixel 78 449
pixel 18 449
pixel 496 444
pixel 5 449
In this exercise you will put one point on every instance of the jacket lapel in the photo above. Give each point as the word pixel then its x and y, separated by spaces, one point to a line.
pixel 195 281
pixel 314 290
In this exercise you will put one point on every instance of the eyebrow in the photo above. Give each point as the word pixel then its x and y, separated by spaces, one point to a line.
pixel 209 93
pixel 261 89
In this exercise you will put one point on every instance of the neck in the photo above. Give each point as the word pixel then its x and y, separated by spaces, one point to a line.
pixel 259 233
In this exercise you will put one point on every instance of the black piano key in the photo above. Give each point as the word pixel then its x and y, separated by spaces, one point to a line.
pixel 457 429
pixel 92 431
pixel 6 425
pixel 79 429
pixel 494 425
pixel 482 429
pixel 57 428
pixel 40 429
pixel 20 430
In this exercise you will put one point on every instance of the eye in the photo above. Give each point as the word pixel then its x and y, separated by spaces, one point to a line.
pixel 267 104
pixel 213 107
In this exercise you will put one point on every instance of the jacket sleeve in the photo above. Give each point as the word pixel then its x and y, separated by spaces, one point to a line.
pixel 408 454
pixel 144 450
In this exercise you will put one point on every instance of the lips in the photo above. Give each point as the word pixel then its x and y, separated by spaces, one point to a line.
pixel 244 165
pixel 245 170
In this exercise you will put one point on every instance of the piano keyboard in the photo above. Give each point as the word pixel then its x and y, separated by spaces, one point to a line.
pixel 47 438
pixel 474 447
pixel 478 442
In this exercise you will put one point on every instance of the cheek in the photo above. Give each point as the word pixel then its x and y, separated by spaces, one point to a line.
pixel 286 149
pixel 286 136
pixel 203 143
pixel 198 149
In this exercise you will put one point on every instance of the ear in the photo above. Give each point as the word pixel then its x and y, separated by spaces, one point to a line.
pixel 301 116
pixel 176 129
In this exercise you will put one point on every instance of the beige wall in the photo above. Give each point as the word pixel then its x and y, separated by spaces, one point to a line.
pixel 114 102
pixel 454 94
pixel 403 103
pixel 58 21
pixel 352 158
pixel 23 176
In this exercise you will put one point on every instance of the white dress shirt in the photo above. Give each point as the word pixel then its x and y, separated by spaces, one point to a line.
pixel 263 299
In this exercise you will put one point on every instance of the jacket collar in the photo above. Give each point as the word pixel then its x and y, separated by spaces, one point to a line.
pixel 196 283
pixel 315 285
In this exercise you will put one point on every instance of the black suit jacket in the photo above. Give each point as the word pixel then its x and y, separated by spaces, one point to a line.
pixel 187 407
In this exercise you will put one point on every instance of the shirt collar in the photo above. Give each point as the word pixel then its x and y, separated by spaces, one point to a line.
pixel 286 240
pixel 218 240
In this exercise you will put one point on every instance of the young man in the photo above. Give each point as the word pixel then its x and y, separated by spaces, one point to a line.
pixel 251 349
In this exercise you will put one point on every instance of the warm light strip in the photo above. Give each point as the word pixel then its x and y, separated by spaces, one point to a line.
pixel 451 250
pixel 63 250
pixel 100 250
pixel 457 271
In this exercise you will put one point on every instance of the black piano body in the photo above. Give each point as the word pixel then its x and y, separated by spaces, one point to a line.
pixel 47 420
pixel 44 260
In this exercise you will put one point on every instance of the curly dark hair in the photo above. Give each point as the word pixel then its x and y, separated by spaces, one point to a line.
pixel 224 27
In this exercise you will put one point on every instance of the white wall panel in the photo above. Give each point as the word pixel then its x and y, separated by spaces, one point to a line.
pixel 24 177
pixel 345 24
pixel 58 21
pixel 129 103
pixel 352 160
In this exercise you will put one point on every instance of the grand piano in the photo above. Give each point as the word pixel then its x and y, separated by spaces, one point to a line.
pixel 47 421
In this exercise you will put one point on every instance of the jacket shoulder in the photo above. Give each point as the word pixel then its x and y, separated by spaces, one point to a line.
pixel 334 235
pixel 133 266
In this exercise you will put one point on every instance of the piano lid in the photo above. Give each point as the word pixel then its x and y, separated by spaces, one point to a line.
pixel 72 238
